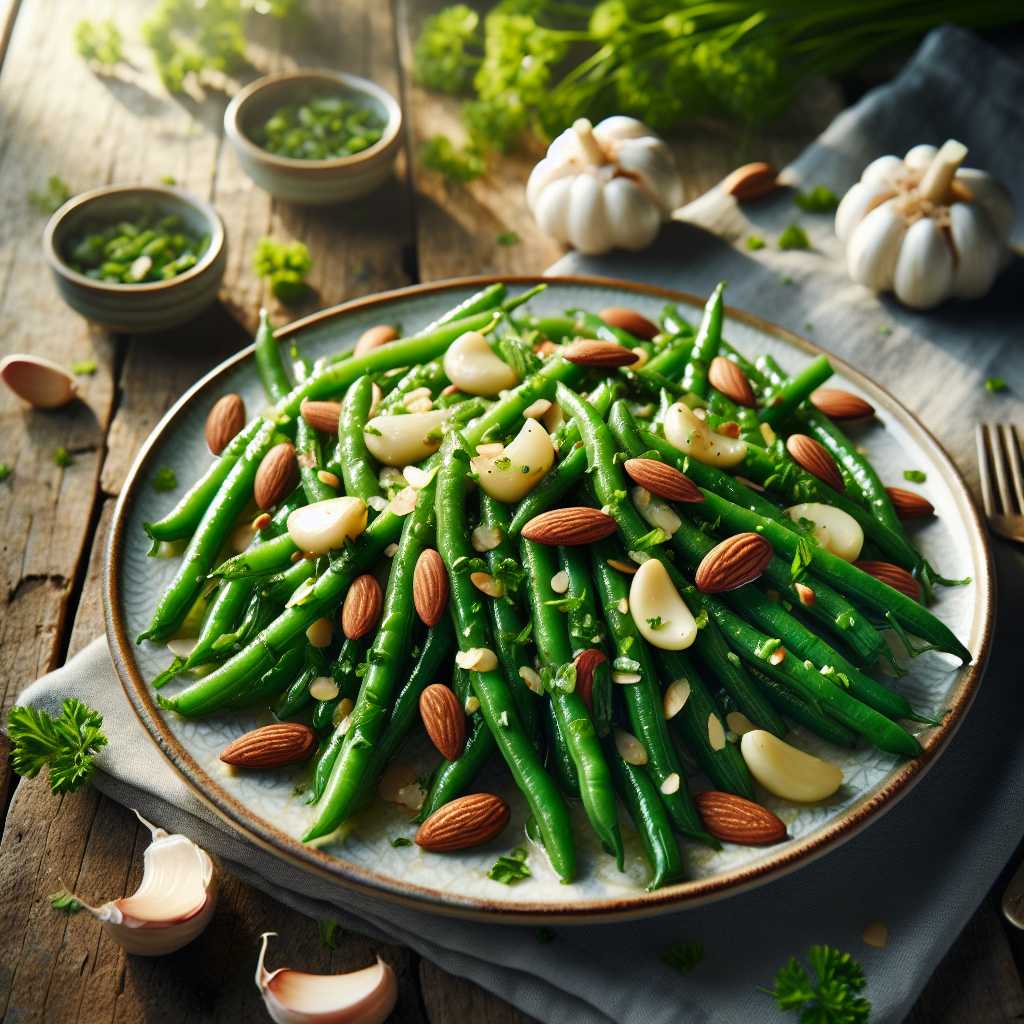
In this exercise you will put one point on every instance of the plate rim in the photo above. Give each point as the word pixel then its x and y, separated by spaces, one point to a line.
pixel 671 898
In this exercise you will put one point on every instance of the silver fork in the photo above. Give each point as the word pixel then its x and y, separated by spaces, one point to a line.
pixel 1000 446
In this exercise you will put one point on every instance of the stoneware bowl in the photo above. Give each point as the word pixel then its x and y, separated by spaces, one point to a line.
pixel 152 305
pixel 312 182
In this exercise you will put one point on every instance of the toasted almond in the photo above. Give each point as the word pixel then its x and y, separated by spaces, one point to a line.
pixel 490 450
pixel 778 656
pixel 751 181
pixel 677 693
pixel 568 526
pixel 272 746
pixel 362 606
pixel 727 377
pixel 261 522
pixel 730 428
pixel 893 576
pixel 452 389
pixel 537 409
pixel 733 819
pixel 560 582
pixel 586 662
pixel 430 587
pixel 814 457
pixel 277 475
pixel 444 720
pixel 226 419
pixel 326 477
pixel 808 598
pixel 531 678
pixel 374 338
pixel 486 538
pixel 465 822
pixel 670 784
pixel 629 320
pixel 487 584
pixel 418 478
pixel 627 567
pixel 841 405
pixel 38 381
pixel 341 711
pixel 320 633
pixel 419 405
pixel 472 705
pixel 630 749
pixel 323 688
pixel 876 934
pixel 663 480
pixel 586 352
pixel 909 505
pixel 322 415
pixel 734 562
pixel 477 659
pixel 545 348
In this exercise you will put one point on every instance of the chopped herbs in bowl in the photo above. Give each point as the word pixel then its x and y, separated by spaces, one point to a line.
pixel 320 128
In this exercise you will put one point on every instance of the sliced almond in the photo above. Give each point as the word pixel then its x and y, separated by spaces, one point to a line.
pixel 716 734
pixel 531 678
pixel 491 450
pixel 416 477
pixel 807 596
pixel 560 582
pixel 323 688
pixel 739 723
pixel 676 695
pixel 320 633
pixel 342 711
pixel 486 538
pixel 670 784
pixel 374 338
pixel 778 656
pixel 630 749
pixel 419 405
pixel 627 567
pixel 477 659
pixel 536 410
pixel 487 584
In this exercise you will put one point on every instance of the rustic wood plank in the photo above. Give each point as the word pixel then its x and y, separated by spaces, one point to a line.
pixel 451 1000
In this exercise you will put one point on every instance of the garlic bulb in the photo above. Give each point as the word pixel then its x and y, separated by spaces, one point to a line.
pixel 604 187
pixel 925 227
pixel 360 997
pixel 174 903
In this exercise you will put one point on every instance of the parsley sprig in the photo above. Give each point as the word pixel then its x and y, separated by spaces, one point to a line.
pixel 833 998
pixel 67 744
pixel 511 869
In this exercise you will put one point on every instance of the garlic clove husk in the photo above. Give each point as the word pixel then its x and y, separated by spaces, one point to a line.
pixel 874 247
pixel 38 381
pixel 359 997
pixel 653 597
pixel 634 221
pixel 978 247
pixel 924 268
pixel 993 195
pixel 402 440
pixel 510 476
pixel 472 366
pixel 699 441
pixel 857 204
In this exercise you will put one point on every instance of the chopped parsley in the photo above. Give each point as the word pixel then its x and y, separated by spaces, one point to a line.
pixel 802 559
pixel 63 900
pixel 508 238
pixel 915 476
pixel 753 243
pixel 511 869
pixel 84 366
pixel 67 744
pixel 165 480
pixel 818 200
pixel 286 264
pixel 995 384
pixel 326 930
pixel 833 998
pixel 51 198
pixel 62 458
pixel 5 471
pixel 794 237
pixel 656 623
pixel 400 842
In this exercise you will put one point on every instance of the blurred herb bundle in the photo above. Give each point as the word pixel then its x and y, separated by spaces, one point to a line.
pixel 537 65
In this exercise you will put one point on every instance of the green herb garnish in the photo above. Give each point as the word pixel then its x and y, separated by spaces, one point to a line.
pixel 51 198
pixel 818 200
pixel 101 43
pixel 286 264
pixel 165 480
pixel 802 559
pixel 511 869
pixel 794 237
pixel 67 744
pixel 84 366
pixel 440 155
pixel 915 476
pixel 995 384
pixel 753 242
pixel 683 956
pixel 319 127
pixel 508 238
pixel 786 279
pixel 5 471
pixel 656 622
pixel 833 998
pixel 885 330
pixel 63 900
pixel 325 931
pixel 400 842
pixel 62 458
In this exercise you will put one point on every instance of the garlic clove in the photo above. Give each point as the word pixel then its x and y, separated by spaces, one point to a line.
pixel 510 476
pixel 326 525
pixel 552 206
pixel 586 217
pixel 919 158
pixel 633 220
pixel 619 127
pixel 544 173
pixel 787 772
pixel 978 249
pixel 874 247
pixel 885 170
pixel 655 511
pixel 359 997
pixel 653 597
pixel 992 194
pixel 40 382
pixel 402 440
pixel 475 369
pixel 924 270
pixel 699 441
pixel 837 531
pixel 857 204
pixel 651 162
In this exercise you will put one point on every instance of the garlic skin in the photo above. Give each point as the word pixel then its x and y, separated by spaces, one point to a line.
pixel 652 595
pixel 173 904
pixel 473 367
pixel 837 531
pixel 526 461
pixel 402 440
pixel 38 381
pixel 360 997
pixel 604 187
pixel 699 441
pixel 926 228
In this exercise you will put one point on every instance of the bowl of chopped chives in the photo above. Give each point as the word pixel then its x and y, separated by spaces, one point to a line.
pixel 315 136
pixel 136 258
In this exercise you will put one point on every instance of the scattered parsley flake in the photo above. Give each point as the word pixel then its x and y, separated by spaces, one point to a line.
pixel 702 619
pixel 84 366
pixel 165 480
pixel 802 559
pixel 511 869
pixel 5 471
pixel 167 179
pixel 440 154
pixel 915 476
pixel 67 744
pixel 683 956
pixel 656 623
pixel 818 200
pixel 285 264
pixel 995 384
pixel 753 243
pixel 885 330
pixel 545 935
pixel 833 998
pixel 62 458
pixel 808 327
pixel 326 930
pixel 101 42
pixel 63 900
pixel 794 237
pixel 400 842
pixel 51 198
pixel 786 279
pixel 508 238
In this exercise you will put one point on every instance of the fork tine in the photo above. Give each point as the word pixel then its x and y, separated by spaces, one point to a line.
pixel 1012 446
pixel 987 497
pixel 1000 461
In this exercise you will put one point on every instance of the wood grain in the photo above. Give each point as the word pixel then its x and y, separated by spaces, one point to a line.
pixel 449 1000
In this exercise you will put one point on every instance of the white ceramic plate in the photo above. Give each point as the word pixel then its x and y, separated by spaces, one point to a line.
pixel 265 805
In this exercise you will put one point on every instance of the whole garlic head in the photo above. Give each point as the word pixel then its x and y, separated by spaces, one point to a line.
pixel 925 227
pixel 605 187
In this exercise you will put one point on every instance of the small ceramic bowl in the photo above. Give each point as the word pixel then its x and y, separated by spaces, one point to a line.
pixel 151 305
pixel 312 182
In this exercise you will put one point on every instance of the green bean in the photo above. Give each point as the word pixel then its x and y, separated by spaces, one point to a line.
pixel 297 697
pixel 258 560
pixel 558 761
pixel 594 327
pixel 279 520
pixel 259 612
pixel 311 463
pixel 269 362
pixel 706 344
pixel 804 712
pixel 357 465
pixel 784 402
pixel 223 616
pixel 270 683
pixel 281 587
pixel 427 375
pixel 482 301
pixel 343 670
pixel 558 329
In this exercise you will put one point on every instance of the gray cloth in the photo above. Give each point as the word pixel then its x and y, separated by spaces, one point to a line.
pixel 922 869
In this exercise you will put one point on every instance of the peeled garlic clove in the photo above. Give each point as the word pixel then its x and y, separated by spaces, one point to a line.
pixel 837 531
pixel 699 441
pixel 402 440
pixel 474 368
pixel 41 383
pixel 924 270
pixel 653 596
pixel 858 203
pixel 874 247
pixel 787 772
pixel 510 476
pixel 326 525
pixel 978 247
pixel 360 997
pixel 174 902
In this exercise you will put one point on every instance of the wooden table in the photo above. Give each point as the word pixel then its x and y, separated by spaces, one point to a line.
pixel 59 116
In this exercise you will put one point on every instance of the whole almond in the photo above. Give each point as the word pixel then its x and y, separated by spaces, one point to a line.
pixel 569 526
pixel 277 476
pixel 586 352
pixel 909 505
pixel 444 719
pixel 812 456
pixel 430 587
pixel 663 480
pixel 271 746
pixel 40 382
pixel 374 338
pixel 728 378
pixel 841 405
pixel 226 419
pixel 629 320
pixel 586 662
pixel 467 821
pixel 733 819
pixel 362 606
pixel 893 576
pixel 734 562
pixel 751 181
pixel 322 415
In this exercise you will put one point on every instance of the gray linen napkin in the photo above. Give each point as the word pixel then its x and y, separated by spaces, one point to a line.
pixel 922 870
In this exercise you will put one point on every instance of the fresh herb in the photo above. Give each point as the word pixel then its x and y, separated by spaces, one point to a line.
pixel 656 622
pixel 439 154
pixel 326 930
pixel 508 238
pixel 833 998
pixel 188 37
pixel 67 744
pixel 995 384
pixel 915 476
pixel 319 127
pixel 653 539
pixel 520 357
pixel 786 279
pixel 511 575
pixel 818 200
pixel 545 935
pixel 808 326
pixel 683 956
pixel 511 869
pixel 101 43
pixel 885 330
pixel 5 471
pixel 567 604
pixel 753 243
pixel 285 264
pixel 845 620
pixel 167 179
pixel 84 366
pixel 702 619
pixel 522 637
pixel 400 842
pixel 165 480
pixel 63 900
pixel 794 237
pixel 802 559
pixel 62 458
pixel 51 198
pixel 562 678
